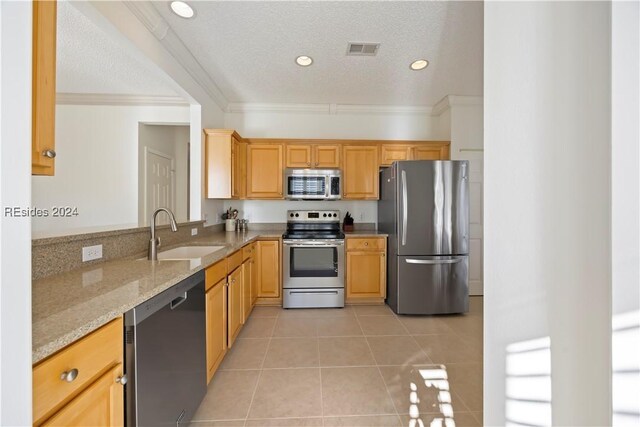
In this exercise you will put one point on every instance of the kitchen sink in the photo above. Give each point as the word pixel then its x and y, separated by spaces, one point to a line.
pixel 187 252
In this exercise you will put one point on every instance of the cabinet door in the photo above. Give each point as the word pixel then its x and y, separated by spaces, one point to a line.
pixel 366 275
pixel 298 156
pixel 264 176
pixel 326 156
pixel 254 273
pixel 430 152
pixel 100 404
pixel 246 290
pixel 392 153
pixel 239 169
pixel 216 308
pixel 269 268
pixel 360 172
pixel 235 304
pixel 44 88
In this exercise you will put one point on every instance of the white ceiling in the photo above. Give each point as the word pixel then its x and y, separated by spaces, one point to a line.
pixel 90 61
pixel 248 48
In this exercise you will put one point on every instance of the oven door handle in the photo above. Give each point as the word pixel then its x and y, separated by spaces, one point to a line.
pixel 314 244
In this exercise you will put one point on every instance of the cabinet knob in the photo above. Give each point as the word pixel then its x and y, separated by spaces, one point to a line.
pixel 122 379
pixel 69 376
pixel 366 243
pixel 49 153
pixel 317 163
pixel 308 163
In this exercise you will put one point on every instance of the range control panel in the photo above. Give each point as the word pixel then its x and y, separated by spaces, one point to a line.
pixel 313 216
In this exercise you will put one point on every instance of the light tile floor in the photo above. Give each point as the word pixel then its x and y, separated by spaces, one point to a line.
pixel 357 366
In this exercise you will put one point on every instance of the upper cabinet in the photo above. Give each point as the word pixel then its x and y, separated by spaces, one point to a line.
pixel 43 88
pixel 390 153
pixel 237 168
pixel 264 171
pixel 360 172
pixel 225 164
pixel 312 155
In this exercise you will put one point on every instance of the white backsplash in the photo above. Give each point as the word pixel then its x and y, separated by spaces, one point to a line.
pixel 257 211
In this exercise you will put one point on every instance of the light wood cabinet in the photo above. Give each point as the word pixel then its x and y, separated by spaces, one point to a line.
pixel 430 152
pixel 435 150
pixel 246 290
pixel 239 169
pixel 225 164
pixel 101 404
pixel 360 172
pixel 268 263
pixel 43 88
pixel 391 153
pixel 254 273
pixel 265 171
pixel 312 156
pixel 94 366
pixel 366 269
pixel 216 315
pixel 298 156
pixel 234 306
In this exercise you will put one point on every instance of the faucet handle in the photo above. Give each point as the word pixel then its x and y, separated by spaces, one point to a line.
pixel 158 242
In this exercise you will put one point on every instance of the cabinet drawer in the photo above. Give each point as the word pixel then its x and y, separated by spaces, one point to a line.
pixel 91 356
pixel 247 252
pixel 366 244
pixel 215 273
pixel 234 260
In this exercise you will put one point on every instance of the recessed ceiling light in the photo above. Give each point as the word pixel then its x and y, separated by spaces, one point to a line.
pixel 182 9
pixel 304 60
pixel 420 64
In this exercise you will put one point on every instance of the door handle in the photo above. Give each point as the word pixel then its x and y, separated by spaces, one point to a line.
pixel 176 302
pixel 404 208
pixel 432 261
pixel 314 293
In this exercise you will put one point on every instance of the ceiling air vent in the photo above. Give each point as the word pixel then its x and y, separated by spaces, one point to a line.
pixel 362 49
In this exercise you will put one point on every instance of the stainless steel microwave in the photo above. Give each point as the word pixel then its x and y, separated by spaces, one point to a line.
pixel 313 184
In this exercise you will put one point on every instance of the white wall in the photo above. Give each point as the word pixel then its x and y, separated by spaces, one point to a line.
pixel 547 207
pixel 257 211
pixel 172 141
pixel 625 203
pixel 15 233
pixel 97 164
pixel 259 124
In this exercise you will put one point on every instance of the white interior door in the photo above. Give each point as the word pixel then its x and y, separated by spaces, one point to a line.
pixel 476 202
pixel 159 186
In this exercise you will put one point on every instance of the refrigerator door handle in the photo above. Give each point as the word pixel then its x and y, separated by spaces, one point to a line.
pixel 404 208
pixel 433 261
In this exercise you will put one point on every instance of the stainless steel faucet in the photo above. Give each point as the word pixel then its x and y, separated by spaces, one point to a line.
pixel 154 242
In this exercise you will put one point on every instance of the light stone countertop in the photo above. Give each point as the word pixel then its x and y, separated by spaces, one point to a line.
pixel 68 306
pixel 365 233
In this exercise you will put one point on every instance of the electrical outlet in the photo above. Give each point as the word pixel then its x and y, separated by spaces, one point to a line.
pixel 194 231
pixel 89 253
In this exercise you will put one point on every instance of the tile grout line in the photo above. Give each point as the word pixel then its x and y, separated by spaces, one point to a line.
pixel 320 370
pixel 255 389
pixel 386 387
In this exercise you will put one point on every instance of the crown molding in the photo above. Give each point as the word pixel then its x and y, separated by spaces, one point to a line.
pixel 455 100
pixel 162 31
pixel 118 99
pixel 332 109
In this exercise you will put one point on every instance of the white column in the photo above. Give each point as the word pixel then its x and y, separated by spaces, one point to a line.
pixel 547 121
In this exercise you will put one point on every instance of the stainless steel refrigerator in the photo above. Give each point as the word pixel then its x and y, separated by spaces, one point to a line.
pixel 424 207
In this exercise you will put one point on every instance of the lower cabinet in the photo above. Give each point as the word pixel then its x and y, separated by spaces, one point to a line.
pixel 254 273
pixel 366 269
pixel 82 384
pixel 247 305
pixel 234 281
pixel 216 309
pixel 101 404
pixel 268 263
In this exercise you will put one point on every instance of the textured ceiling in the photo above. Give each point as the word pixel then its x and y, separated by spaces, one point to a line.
pixel 89 61
pixel 248 48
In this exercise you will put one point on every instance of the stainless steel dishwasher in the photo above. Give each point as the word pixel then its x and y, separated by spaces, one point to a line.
pixel 165 356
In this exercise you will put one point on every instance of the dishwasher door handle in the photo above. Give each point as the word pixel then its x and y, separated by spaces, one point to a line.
pixel 176 302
